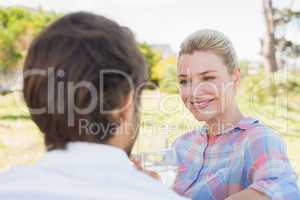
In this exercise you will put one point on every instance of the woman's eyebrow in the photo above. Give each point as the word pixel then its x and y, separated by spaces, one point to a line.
pixel 199 74
pixel 182 75
pixel 206 72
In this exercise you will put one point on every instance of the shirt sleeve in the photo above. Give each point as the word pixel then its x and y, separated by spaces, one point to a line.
pixel 268 168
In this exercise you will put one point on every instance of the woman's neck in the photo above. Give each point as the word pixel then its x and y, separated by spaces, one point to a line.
pixel 225 120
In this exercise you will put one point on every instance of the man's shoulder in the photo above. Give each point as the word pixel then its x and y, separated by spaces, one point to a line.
pixel 31 181
pixel 147 187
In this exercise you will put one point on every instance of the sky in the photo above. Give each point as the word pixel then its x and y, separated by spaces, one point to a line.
pixel 170 21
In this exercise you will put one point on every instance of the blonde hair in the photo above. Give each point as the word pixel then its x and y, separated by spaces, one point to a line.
pixel 213 41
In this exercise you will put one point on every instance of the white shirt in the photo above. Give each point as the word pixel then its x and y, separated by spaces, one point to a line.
pixel 84 171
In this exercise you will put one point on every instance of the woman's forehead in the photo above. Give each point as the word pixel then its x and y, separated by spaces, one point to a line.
pixel 200 62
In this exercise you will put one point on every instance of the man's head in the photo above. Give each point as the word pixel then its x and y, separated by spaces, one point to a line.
pixel 81 82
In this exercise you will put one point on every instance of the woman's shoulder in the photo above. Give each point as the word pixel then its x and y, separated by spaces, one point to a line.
pixel 259 134
pixel 260 129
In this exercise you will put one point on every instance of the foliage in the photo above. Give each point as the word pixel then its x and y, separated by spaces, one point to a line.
pixel 152 58
pixel 167 69
pixel 286 18
pixel 264 86
pixel 17 28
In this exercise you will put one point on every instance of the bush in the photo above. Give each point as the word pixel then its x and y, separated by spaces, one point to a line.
pixel 18 26
pixel 152 58
pixel 169 81
pixel 266 86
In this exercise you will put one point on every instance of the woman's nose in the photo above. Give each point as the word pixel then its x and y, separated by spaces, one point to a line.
pixel 197 87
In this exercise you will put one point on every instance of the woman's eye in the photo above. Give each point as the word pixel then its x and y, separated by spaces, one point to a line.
pixel 183 82
pixel 207 78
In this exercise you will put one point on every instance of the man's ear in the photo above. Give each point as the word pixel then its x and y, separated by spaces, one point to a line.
pixel 128 106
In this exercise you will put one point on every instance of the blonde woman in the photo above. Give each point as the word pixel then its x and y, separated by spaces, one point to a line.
pixel 232 157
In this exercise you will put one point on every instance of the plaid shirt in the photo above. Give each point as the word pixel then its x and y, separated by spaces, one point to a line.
pixel 248 155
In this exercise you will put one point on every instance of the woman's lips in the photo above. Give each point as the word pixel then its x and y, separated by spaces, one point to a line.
pixel 201 104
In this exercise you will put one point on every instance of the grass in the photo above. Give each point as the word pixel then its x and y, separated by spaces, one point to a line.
pixel 20 140
pixel 163 119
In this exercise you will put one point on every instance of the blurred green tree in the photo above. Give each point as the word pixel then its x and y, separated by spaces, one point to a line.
pixel 17 28
pixel 280 16
pixel 152 59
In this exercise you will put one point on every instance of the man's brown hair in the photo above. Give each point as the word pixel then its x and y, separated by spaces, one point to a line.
pixel 77 48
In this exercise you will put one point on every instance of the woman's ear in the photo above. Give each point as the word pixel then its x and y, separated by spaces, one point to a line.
pixel 236 76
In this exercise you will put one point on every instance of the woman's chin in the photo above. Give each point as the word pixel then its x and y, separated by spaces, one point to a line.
pixel 207 116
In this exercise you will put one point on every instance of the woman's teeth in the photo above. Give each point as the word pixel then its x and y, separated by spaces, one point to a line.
pixel 202 104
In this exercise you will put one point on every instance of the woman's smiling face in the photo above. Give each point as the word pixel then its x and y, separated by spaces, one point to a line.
pixel 206 87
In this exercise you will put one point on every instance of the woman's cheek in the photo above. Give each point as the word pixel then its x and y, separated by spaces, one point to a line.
pixel 184 94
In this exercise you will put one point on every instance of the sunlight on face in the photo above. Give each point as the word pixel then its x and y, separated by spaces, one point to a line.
pixel 206 87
